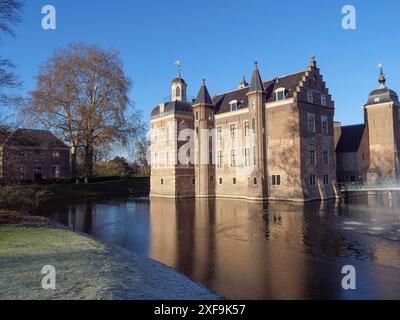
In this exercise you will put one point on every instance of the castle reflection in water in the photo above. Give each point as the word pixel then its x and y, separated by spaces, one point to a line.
pixel 255 250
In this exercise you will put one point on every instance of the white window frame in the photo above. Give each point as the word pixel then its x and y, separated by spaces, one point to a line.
pixel 309 116
pixel 278 92
pixel 323 100
pixel 324 129
pixel 233 158
pixel 247 157
pixel 310 96
pixel 234 135
pixel 246 125
pixel 233 103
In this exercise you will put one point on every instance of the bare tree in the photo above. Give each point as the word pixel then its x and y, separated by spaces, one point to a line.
pixel 82 92
pixel 142 150
pixel 10 15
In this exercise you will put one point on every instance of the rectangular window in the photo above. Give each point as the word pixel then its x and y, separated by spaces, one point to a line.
pixel 311 122
pixel 197 115
pixel 324 124
pixel 311 151
pixel 210 158
pixel 326 179
pixel 253 125
pixel 312 180
pixel 234 106
pixel 276 180
pixel 219 160
pixel 253 104
pixel 162 182
pixel 219 133
pixel 254 181
pixel 220 180
pixel 254 156
pixel 234 181
pixel 280 95
pixel 310 96
pixel 193 181
pixel 247 157
pixel 55 172
pixel 323 99
pixel 233 129
pixel 325 157
pixel 246 128
pixel 233 158
pixel 211 178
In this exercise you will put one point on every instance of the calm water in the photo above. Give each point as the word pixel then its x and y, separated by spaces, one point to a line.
pixel 247 250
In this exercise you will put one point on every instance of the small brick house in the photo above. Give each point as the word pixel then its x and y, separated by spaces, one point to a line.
pixel 32 155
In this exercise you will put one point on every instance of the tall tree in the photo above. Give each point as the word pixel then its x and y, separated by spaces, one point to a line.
pixel 10 15
pixel 142 154
pixel 82 92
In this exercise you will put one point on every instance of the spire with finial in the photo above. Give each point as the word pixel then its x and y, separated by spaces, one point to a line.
pixel 382 78
pixel 203 96
pixel 256 82
pixel 178 65
pixel 313 62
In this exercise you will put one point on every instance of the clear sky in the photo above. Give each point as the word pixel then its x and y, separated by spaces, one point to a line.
pixel 219 40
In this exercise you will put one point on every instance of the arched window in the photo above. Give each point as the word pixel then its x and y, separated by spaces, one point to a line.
pixel 178 91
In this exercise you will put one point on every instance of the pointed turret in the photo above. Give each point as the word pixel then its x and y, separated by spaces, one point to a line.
pixel 256 84
pixel 203 96
pixel 258 187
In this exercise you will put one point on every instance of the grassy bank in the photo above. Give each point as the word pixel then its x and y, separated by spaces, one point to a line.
pixel 133 186
pixel 85 268
pixel 27 197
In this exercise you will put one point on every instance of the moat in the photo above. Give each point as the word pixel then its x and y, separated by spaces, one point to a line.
pixel 245 250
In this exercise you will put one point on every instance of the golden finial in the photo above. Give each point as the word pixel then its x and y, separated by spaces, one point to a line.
pixel 382 78
pixel 313 62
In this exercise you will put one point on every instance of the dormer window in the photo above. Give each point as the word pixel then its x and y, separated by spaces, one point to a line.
pixel 233 105
pixel 280 94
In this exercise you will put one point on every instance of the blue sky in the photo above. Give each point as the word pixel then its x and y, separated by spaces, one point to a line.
pixel 219 40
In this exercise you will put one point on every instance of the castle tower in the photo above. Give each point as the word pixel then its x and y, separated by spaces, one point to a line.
pixel 203 109
pixel 258 183
pixel 382 118
pixel 178 87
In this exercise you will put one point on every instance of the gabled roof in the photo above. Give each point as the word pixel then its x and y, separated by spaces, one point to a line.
pixel 203 96
pixel 289 82
pixel 350 139
pixel 34 138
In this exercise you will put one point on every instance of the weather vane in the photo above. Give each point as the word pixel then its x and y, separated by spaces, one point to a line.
pixel 178 64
